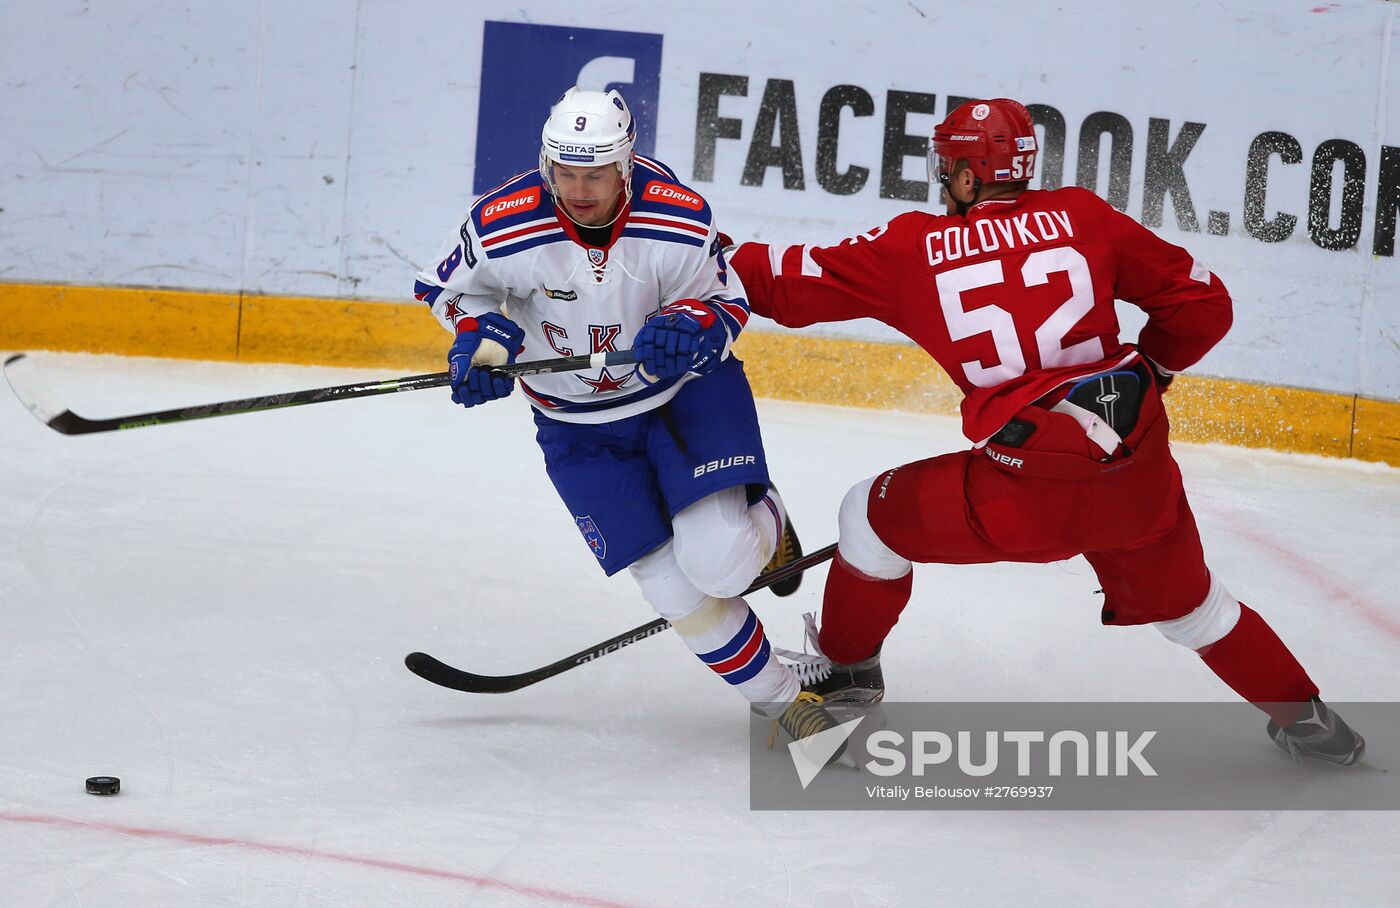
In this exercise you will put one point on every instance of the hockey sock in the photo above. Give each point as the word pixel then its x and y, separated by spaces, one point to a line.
pixel 858 611
pixel 1259 667
pixel 729 638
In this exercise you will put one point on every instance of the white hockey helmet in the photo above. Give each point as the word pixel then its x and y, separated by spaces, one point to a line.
pixel 588 129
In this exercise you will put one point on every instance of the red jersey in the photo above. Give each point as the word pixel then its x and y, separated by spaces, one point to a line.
pixel 1012 300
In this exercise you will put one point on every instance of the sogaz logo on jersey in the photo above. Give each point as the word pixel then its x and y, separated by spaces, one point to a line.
pixel 524 70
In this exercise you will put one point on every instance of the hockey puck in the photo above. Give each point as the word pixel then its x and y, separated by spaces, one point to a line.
pixel 104 785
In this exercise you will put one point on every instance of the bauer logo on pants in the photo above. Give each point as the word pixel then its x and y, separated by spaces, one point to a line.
pixel 526 67
pixel 593 536
pixel 724 463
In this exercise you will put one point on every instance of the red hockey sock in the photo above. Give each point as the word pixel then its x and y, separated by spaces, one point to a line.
pixel 858 611
pixel 1260 668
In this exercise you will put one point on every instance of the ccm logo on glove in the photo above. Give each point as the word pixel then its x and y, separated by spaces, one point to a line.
pixel 498 334
pixel 489 340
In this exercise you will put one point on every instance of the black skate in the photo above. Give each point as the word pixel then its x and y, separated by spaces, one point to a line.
pixel 789 550
pixel 1319 734
pixel 846 689
pixel 859 683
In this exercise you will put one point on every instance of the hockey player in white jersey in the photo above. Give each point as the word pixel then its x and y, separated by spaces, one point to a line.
pixel 661 465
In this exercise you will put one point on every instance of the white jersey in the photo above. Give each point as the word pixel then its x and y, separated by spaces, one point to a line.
pixel 516 253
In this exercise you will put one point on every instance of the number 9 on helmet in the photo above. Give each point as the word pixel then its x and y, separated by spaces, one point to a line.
pixel 588 129
pixel 995 137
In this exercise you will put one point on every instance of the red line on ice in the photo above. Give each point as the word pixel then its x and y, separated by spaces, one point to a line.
pixel 430 872
pixel 1320 577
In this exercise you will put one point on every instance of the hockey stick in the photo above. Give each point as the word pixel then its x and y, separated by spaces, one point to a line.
pixel 430 669
pixel 31 389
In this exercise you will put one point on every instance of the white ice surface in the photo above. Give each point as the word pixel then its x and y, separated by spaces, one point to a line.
pixel 217 613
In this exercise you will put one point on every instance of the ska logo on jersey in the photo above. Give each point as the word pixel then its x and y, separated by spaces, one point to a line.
pixel 592 535
pixel 567 296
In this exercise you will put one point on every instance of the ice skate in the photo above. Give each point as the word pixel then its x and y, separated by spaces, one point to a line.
pixel 848 690
pixel 1320 734
pixel 806 717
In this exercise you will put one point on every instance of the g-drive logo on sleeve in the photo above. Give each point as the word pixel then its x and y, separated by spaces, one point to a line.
pixel 524 70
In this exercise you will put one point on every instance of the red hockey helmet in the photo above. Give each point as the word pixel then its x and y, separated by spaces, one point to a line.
pixel 995 137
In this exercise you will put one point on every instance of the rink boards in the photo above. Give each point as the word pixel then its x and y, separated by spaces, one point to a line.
pixel 787 366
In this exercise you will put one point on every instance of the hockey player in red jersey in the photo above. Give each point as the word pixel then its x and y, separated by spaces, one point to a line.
pixel 1012 292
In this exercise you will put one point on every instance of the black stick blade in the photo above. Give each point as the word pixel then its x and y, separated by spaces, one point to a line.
pixel 440 673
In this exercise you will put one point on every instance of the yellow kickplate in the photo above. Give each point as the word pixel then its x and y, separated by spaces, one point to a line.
pixel 402 338
pixel 134 322
pixel 1260 416
pixel 1377 431
pixel 311 330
